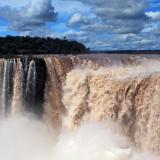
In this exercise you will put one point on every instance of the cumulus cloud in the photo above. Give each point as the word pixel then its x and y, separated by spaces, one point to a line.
pixel 153 15
pixel 29 17
pixel 80 36
pixel 78 19
pixel 120 25
pixel 119 16
pixel 99 24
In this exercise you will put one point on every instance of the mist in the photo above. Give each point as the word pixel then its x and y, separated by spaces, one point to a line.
pixel 27 138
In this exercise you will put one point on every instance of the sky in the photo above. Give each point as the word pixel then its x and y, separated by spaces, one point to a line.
pixel 99 24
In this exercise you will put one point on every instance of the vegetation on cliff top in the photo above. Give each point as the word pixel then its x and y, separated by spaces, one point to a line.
pixel 35 45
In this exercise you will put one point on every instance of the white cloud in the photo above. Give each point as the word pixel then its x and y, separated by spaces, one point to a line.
pixel 120 16
pixel 33 15
pixel 153 15
pixel 119 24
pixel 78 19
pixel 80 36
pixel 100 24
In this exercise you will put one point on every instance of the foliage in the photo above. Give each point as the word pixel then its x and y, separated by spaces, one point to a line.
pixel 35 45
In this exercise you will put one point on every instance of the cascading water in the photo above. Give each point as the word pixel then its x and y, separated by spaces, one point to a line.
pixel 7 86
pixel 21 85
pixel 91 102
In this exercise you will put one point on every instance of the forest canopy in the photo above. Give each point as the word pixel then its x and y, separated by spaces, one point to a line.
pixel 16 45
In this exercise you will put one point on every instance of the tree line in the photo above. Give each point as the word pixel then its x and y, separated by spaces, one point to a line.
pixel 19 45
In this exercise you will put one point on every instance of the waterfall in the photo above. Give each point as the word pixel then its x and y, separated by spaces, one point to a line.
pixel 68 91
pixel 127 94
pixel 17 100
pixel 124 90
pixel 35 85
pixel 31 84
pixel 7 87
pixel 22 80
pixel 1 84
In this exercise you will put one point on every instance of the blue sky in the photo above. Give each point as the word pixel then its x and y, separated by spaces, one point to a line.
pixel 99 24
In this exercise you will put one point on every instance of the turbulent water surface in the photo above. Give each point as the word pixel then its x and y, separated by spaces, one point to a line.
pixel 87 107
